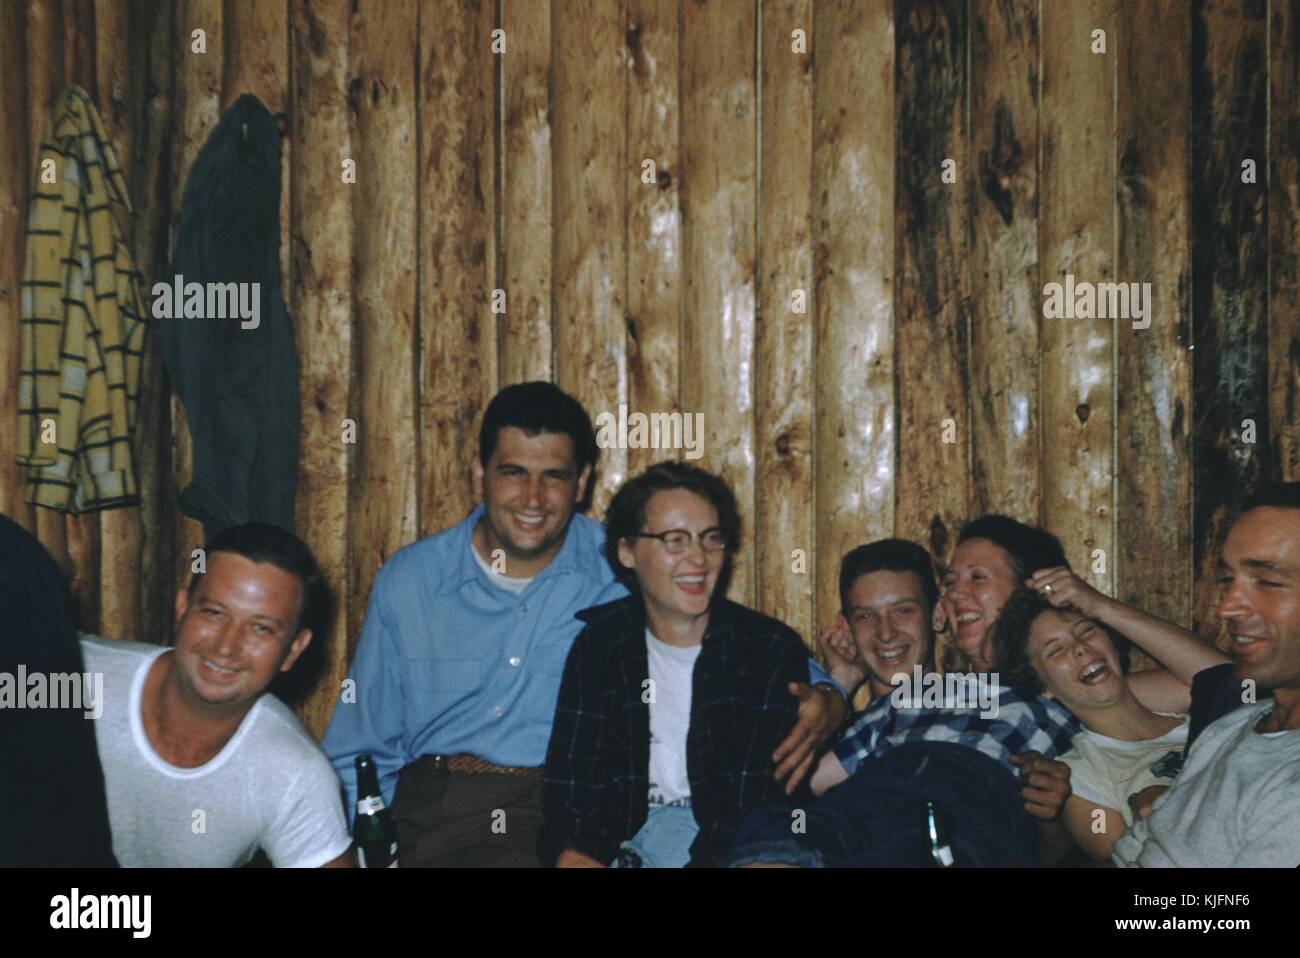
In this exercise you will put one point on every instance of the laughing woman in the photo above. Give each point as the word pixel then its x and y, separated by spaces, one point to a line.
pixel 674 698
pixel 996 555
pixel 1128 754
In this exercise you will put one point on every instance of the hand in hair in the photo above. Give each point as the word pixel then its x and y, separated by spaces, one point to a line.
pixel 1061 587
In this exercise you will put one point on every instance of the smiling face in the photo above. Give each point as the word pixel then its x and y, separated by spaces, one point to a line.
pixel 236 630
pixel 677 589
pixel 530 489
pixel 1260 577
pixel 976 586
pixel 887 615
pixel 1075 660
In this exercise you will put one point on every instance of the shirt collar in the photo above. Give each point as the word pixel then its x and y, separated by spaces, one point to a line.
pixel 576 555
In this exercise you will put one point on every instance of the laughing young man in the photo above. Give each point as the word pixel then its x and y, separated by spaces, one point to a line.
pixel 1236 802
pixel 465 638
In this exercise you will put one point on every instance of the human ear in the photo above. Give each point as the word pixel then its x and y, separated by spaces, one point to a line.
pixel 296 648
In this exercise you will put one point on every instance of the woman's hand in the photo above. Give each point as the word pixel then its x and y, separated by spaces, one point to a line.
pixel 1062 587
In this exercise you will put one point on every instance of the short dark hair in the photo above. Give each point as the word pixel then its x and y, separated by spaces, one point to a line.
pixel 261 542
pixel 1279 495
pixel 535 408
pixel 889 555
pixel 626 512
pixel 1011 639
pixel 1029 547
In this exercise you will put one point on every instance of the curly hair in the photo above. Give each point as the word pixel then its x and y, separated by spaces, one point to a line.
pixel 626 512
pixel 1011 639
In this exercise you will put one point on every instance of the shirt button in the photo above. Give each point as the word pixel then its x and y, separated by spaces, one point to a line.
pixel 523 608
pixel 498 711
pixel 515 660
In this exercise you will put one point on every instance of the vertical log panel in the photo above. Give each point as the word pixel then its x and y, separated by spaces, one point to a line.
pixel 1005 302
pixel 1153 455
pixel 458 253
pixel 718 216
pixel 1076 237
pixel 654 217
pixel 198 82
pixel 932 258
pixel 44 65
pixel 320 297
pixel 257 62
pixel 590 92
pixel 121 108
pixel 784 520
pixel 79 45
pixel 153 37
pixel 853 186
pixel 383 474
pixel 1229 278
pixel 1284 241
pixel 524 332
pixel 14 183
pixel 118 98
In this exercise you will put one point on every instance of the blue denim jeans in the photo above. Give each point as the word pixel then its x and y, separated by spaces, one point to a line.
pixel 877 818
pixel 664 841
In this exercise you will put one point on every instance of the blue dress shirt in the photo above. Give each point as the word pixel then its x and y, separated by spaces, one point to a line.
pixel 449 662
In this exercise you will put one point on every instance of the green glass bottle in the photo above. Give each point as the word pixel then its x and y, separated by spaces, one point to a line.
pixel 374 833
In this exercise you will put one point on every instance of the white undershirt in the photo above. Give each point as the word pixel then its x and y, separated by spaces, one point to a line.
pixel 671 669
pixel 498 578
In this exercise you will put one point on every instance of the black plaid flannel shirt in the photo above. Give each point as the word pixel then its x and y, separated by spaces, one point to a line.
pixel 598 763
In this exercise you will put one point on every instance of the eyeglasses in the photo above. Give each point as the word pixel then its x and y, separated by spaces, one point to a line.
pixel 677 541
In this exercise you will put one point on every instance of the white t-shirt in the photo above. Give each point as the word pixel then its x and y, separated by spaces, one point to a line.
pixel 671 668
pixel 1236 803
pixel 270 787
pixel 500 579
pixel 1106 771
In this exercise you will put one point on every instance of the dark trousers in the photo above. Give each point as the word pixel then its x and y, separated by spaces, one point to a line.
pixel 877 818
pixel 454 820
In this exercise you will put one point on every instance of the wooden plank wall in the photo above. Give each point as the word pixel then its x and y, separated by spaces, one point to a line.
pixel 731 208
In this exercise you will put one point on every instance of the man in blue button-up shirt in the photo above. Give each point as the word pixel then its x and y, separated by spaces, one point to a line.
pixel 465 639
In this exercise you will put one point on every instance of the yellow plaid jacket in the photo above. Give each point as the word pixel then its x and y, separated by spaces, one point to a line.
pixel 83 330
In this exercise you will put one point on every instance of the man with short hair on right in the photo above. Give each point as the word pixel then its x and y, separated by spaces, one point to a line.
pixel 1236 802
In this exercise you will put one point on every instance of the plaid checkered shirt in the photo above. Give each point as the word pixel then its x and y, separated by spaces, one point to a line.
pixel 1021 722
pixel 82 326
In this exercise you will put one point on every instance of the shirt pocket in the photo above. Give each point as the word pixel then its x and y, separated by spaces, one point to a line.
pixel 446 674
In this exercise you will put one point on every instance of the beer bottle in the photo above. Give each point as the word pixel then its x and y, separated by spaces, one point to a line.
pixel 373 832
pixel 940 845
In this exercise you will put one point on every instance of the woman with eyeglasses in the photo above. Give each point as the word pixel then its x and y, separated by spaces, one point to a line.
pixel 673 698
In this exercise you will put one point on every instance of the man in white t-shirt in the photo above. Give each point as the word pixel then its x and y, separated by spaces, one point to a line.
pixel 1237 801
pixel 201 767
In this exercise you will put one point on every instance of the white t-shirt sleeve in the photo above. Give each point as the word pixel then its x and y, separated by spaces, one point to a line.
pixel 309 829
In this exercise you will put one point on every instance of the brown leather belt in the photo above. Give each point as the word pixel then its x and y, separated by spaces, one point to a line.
pixel 473 765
